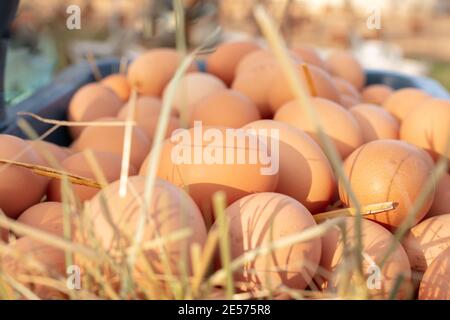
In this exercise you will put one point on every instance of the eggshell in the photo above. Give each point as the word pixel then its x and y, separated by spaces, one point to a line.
pixel 428 126
pixel 111 138
pixel 376 93
pixel 224 61
pixel 152 71
pixel 348 101
pixel 304 171
pixel 170 210
pixel 45 216
pixel 338 123
pixel 255 82
pixel 78 164
pixel 426 241
pixel 388 170
pixel 346 88
pixel 401 102
pixel 260 219
pixel 227 108
pixel 28 251
pixel 146 116
pixel 281 92
pixel 192 88
pixel 344 65
pixel 119 84
pixel 375 122
pixel 376 241
pixel 435 283
pixel 20 188
pixel 260 58
pixel 91 102
pixel 309 55
pixel 441 203
pixel 203 178
pixel 49 152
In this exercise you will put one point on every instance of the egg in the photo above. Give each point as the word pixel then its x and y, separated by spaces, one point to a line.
pixel 376 93
pixel 255 83
pixel 260 219
pixel 192 88
pixel 304 171
pixel 111 139
pixel 349 101
pixel 207 160
pixel 346 88
pixel 119 84
pixel 146 116
pixel 227 108
pixel 151 72
pixel 49 152
pixel 435 284
pixel 401 102
pixel 29 250
pixel 91 102
pixel 309 55
pixel 388 170
pixel 169 211
pixel 428 126
pixel 45 216
pixel 281 92
pixel 426 241
pixel 376 241
pixel 20 188
pixel 375 122
pixel 224 60
pixel 261 58
pixel 441 203
pixel 79 165
pixel 338 123
pixel 343 64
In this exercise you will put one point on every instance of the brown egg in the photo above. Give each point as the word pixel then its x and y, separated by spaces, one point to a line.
pixel 435 284
pixel 224 61
pixel 376 93
pixel 119 84
pixel 192 88
pixel 338 123
pixel 190 159
pixel 152 71
pixel 45 216
pixel 20 188
pixel 91 102
pixel 280 92
pixel 257 221
pixel 147 116
pixel 261 58
pixel 376 241
pixel 346 88
pixel 375 122
pixel 170 210
pixel 441 203
pixel 78 164
pixel 349 101
pixel 111 139
pixel 227 108
pixel 304 171
pixel 428 126
pixel 344 65
pixel 29 252
pixel 401 102
pixel 309 55
pixel 388 170
pixel 255 83
pixel 49 152
pixel 426 241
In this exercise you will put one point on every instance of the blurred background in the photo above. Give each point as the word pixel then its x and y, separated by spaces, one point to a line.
pixel 413 36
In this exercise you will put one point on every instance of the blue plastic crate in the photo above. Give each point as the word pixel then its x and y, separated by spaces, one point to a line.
pixel 52 101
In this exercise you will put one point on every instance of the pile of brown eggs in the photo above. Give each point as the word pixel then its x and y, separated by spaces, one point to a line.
pixel 389 141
